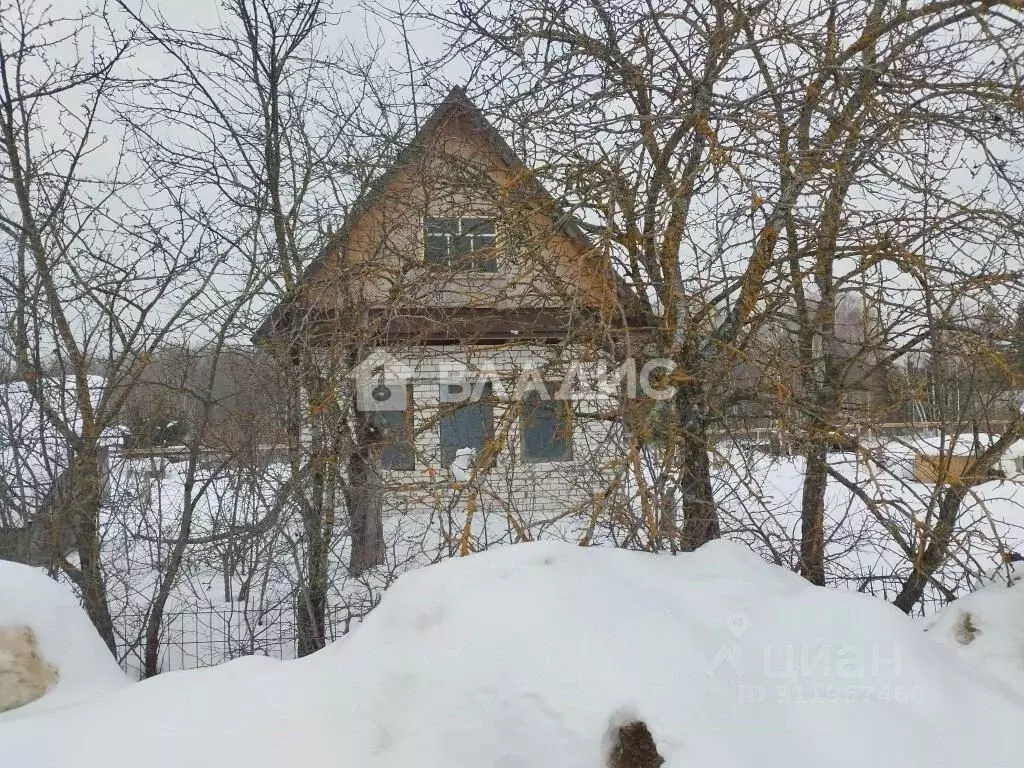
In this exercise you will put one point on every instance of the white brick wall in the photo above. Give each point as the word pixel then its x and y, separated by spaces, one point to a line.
pixel 513 492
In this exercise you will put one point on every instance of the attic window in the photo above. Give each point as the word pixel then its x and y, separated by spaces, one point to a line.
pixel 460 243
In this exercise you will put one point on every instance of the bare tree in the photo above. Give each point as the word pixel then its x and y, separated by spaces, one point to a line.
pixel 93 277
pixel 728 179
pixel 303 129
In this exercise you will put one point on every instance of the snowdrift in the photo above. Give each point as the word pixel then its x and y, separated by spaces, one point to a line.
pixel 65 638
pixel 523 656
pixel 986 627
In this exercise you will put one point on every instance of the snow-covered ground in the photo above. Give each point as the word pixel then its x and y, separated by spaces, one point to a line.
pixel 235 595
pixel 987 626
pixel 65 636
pixel 760 499
pixel 527 655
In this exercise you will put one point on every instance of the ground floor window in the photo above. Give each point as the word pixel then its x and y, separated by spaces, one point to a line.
pixel 397 441
pixel 546 428
pixel 466 419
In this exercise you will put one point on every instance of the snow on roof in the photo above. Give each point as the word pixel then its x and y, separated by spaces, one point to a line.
pixel 525 655
pixel 66 638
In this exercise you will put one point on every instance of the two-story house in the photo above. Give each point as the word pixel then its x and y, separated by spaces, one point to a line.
pixel 469 296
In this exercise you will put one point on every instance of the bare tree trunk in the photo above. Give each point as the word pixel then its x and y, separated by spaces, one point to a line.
pixel 935 553
pixel 310 618
pixel 365 500
pixel 82 512
pixel 327 450
pixel 313 600
pixel 318 523
pixel 700 515
pixel 151 660
pixel 812 513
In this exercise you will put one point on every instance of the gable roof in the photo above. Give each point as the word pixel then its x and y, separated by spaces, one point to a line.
pixel 455 104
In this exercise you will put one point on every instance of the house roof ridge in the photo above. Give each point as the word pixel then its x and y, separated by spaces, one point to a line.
pixel 456 99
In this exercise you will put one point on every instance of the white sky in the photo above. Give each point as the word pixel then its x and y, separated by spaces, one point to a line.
pixel 355 25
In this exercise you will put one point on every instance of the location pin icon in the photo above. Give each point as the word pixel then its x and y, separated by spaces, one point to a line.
pixel 738 624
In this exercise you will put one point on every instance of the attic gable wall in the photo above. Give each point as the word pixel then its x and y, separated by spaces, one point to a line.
pixel 458 172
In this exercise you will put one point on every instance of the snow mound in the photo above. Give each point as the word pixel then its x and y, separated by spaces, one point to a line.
pixel 526 656
pixel 987 626
pixel 64 636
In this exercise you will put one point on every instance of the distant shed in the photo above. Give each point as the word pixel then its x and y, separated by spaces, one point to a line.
pixel 939 468
pixel 949 459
